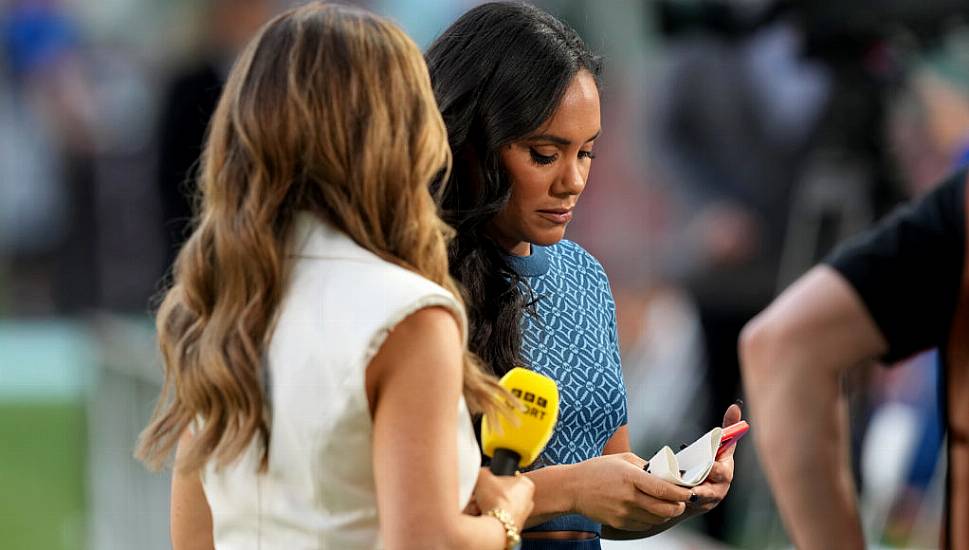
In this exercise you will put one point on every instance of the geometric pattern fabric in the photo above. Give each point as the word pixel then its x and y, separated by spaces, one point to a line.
pixel 574 342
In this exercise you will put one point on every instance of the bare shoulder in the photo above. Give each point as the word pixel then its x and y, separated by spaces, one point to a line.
pixel 433 325
pixel 423 351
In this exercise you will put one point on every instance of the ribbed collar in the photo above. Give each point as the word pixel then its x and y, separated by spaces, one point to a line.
pixel 532 265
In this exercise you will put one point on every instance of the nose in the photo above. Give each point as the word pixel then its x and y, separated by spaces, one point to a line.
pixel 572 179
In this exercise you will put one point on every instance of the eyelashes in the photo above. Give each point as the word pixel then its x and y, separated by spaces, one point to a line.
pixel 545 160
pixel 541 159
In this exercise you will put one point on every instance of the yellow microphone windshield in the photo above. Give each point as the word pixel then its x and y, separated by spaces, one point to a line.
pixel 527 431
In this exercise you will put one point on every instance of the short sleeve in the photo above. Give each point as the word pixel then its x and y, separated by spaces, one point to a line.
pixel 441 298
pixel 907 269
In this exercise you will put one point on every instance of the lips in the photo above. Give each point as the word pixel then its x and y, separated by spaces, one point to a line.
pixel 557 215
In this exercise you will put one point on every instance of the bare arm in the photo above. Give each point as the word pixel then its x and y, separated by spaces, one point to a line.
pixel 619 442
pixel 414 384
pixel 792 356
pixel 191 518
pixel 557 487
pixel 554 492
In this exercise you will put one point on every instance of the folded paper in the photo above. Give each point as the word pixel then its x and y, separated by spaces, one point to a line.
pixel 690 466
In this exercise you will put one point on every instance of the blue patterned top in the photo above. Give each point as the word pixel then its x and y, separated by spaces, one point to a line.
pixel 574 341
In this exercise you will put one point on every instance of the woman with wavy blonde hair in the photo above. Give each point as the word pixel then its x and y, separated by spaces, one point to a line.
pixel 317 377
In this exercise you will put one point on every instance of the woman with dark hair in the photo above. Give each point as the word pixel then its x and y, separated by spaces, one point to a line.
pixel 519 92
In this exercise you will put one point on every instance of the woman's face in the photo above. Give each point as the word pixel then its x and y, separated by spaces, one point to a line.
pixel 548 171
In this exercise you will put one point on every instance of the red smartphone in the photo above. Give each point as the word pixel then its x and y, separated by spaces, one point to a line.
pixel 731 435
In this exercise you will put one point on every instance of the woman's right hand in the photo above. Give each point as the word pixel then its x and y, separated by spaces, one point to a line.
pixel 615 490
pixel 513 494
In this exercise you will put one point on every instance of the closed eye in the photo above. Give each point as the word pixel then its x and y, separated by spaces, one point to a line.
pixel 541 159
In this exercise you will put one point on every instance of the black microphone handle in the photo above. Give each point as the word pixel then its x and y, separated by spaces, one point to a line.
pixel 505 462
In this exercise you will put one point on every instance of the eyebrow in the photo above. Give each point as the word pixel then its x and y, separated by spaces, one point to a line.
pixel 558 140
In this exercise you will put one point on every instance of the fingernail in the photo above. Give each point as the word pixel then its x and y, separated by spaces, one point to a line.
pixel 739 402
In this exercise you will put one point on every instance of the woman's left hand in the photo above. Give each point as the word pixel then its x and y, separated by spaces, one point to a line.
pixel 714 489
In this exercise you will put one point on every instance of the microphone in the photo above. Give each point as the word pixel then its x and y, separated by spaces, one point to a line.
pixel 521 434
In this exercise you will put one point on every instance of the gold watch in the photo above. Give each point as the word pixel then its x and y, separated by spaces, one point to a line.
pixel 512 538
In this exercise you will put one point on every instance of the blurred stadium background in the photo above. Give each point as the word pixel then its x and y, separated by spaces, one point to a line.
pixel 741 140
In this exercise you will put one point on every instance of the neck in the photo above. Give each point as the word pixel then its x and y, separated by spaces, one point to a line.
pixel 511 246
pixel 521 249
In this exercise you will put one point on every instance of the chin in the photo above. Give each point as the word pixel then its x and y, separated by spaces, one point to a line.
pixel 547 238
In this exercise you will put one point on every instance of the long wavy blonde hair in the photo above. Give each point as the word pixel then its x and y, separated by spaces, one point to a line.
pixel 328 110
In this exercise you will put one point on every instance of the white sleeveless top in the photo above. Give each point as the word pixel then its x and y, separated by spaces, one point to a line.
pixel 319 489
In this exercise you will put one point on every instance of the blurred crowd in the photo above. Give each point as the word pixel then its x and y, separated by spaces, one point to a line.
pixel 741 141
